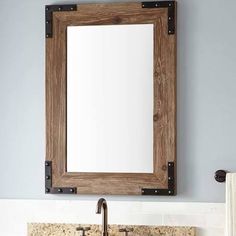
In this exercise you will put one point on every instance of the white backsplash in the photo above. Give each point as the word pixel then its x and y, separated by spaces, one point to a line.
pixel 209 218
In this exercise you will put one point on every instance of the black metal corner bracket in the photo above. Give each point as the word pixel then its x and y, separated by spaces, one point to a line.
pixel 171 184
pixel 48 182
pixel 171 12
pixel 49 9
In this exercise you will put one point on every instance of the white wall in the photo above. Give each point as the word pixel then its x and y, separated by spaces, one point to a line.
pixel 15 214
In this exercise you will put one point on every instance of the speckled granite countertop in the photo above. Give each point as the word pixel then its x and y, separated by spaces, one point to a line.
pixel 35 229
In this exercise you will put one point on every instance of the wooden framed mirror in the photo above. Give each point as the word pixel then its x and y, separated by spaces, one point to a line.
pixel 111 98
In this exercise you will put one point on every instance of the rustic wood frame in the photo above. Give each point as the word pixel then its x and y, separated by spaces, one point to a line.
pixel 164 119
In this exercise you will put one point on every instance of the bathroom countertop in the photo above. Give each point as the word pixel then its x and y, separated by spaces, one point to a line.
pixel 37 229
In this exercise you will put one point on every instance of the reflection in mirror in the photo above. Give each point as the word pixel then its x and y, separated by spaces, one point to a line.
pixel 110 98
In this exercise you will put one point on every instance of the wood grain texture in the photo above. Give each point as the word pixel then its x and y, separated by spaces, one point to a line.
pixel 164 119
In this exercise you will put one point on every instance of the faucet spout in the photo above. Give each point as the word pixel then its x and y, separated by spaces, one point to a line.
pixel 102 204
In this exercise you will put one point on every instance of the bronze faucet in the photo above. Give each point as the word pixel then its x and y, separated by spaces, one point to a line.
pixel 102 204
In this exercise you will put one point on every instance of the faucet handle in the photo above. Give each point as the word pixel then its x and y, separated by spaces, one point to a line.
pixel 83 230
pixel 126 230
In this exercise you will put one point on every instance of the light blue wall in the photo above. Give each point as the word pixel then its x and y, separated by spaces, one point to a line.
pixel 206 99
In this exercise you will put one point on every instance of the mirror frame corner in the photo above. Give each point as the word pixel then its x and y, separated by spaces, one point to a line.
pixel 162 180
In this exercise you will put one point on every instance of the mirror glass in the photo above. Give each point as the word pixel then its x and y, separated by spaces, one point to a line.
pixel 110 98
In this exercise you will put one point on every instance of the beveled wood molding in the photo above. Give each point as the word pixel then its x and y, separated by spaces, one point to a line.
pixel 164 110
